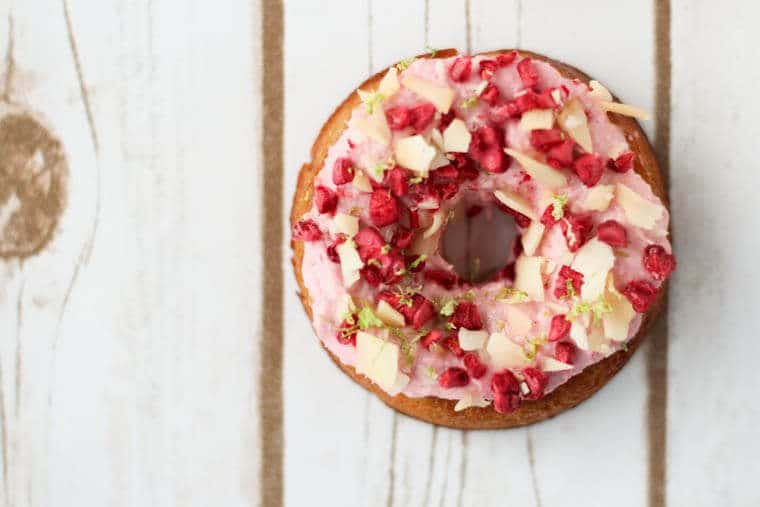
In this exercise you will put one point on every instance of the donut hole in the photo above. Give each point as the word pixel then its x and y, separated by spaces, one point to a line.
pixel 479 244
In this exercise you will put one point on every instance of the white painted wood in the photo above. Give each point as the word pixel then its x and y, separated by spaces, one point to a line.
pixel 141 388
pixel 713 414
pixel 327 417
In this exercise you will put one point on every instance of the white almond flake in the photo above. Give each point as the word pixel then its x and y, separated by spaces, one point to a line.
pixel 516 202
pixel 625 110
pixel 594 260
pixel 639 211
pixel 441 96
pixel 378 360
pixel 344 306
pixel 350 262
pixel 578 334
pixel 456 138
pixel 389 85
pixel 414 153
pixel 599 92
pixel 617 322
pixel 599 197
pixel 505 353
pixel 437 138
pixel 439 161
pixel 551 364
pixel 472 340
pixel 536 119
pixel 344 224
pixel 528 276
pixel 361 181
pixel 531 238
pixel 545 174
pixel 471 400
pixel 375 126
pixel 572 119
pixel 389 315
pixel 435 226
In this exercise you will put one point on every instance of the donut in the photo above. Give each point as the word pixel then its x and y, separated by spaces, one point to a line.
pixel 481 241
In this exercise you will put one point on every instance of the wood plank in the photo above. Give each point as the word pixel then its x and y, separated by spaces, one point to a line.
pixel 712 413
pixel 327 417
pixel 151 397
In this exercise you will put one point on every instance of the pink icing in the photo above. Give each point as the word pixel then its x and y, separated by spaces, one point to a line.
pixel 323 278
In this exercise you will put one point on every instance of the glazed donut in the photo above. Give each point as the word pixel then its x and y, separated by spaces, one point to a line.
pixel 509 155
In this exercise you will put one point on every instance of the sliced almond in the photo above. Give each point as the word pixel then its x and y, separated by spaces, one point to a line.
pixel 624 109
pixel 594 260
pixel 344 306
pixel 389 85
pixel 579 335
pixel 441 96
pixel 471 400
pixel 435 226
pixel 350 262
pixel 389 315
pixel 361 181
pixel 378 360
pixel 472 340
pixel 344 224
pixel 456 138
pixel 617 322
pixel 572 119
pixel 375 126
pixel 546 175
pixel 599 197
pixel 639 211
pixel 551 364
pixel 599 92
pixel 528 276
pixel 516 202
pixel 414 153
pixel 531 238
pixel 537 119
pixel 504 352
pixel 439 161
pixel 436 138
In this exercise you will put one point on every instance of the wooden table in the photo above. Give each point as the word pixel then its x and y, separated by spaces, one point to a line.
pixel 133 321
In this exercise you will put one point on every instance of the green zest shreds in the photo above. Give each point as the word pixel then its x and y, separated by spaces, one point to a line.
pixel 448 307
pixel 415 180
pixel 430 371
pixel 469 102
pixel 433 51
pixel 355 211
pixel 385 249
pixel 570 290
pixel 368 319
pixel 532 345
pixel 511 295
pixel 374 99
pixel 598 309
pixel 558 206
pixel 378 170
pixel 406 293
pixel 416 262
pixel 405 63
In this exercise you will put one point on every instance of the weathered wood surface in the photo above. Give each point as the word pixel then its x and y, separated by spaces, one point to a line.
pixel 129 337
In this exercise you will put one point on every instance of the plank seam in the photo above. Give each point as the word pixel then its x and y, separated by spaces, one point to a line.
pixel 270 380
pixel 657 352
